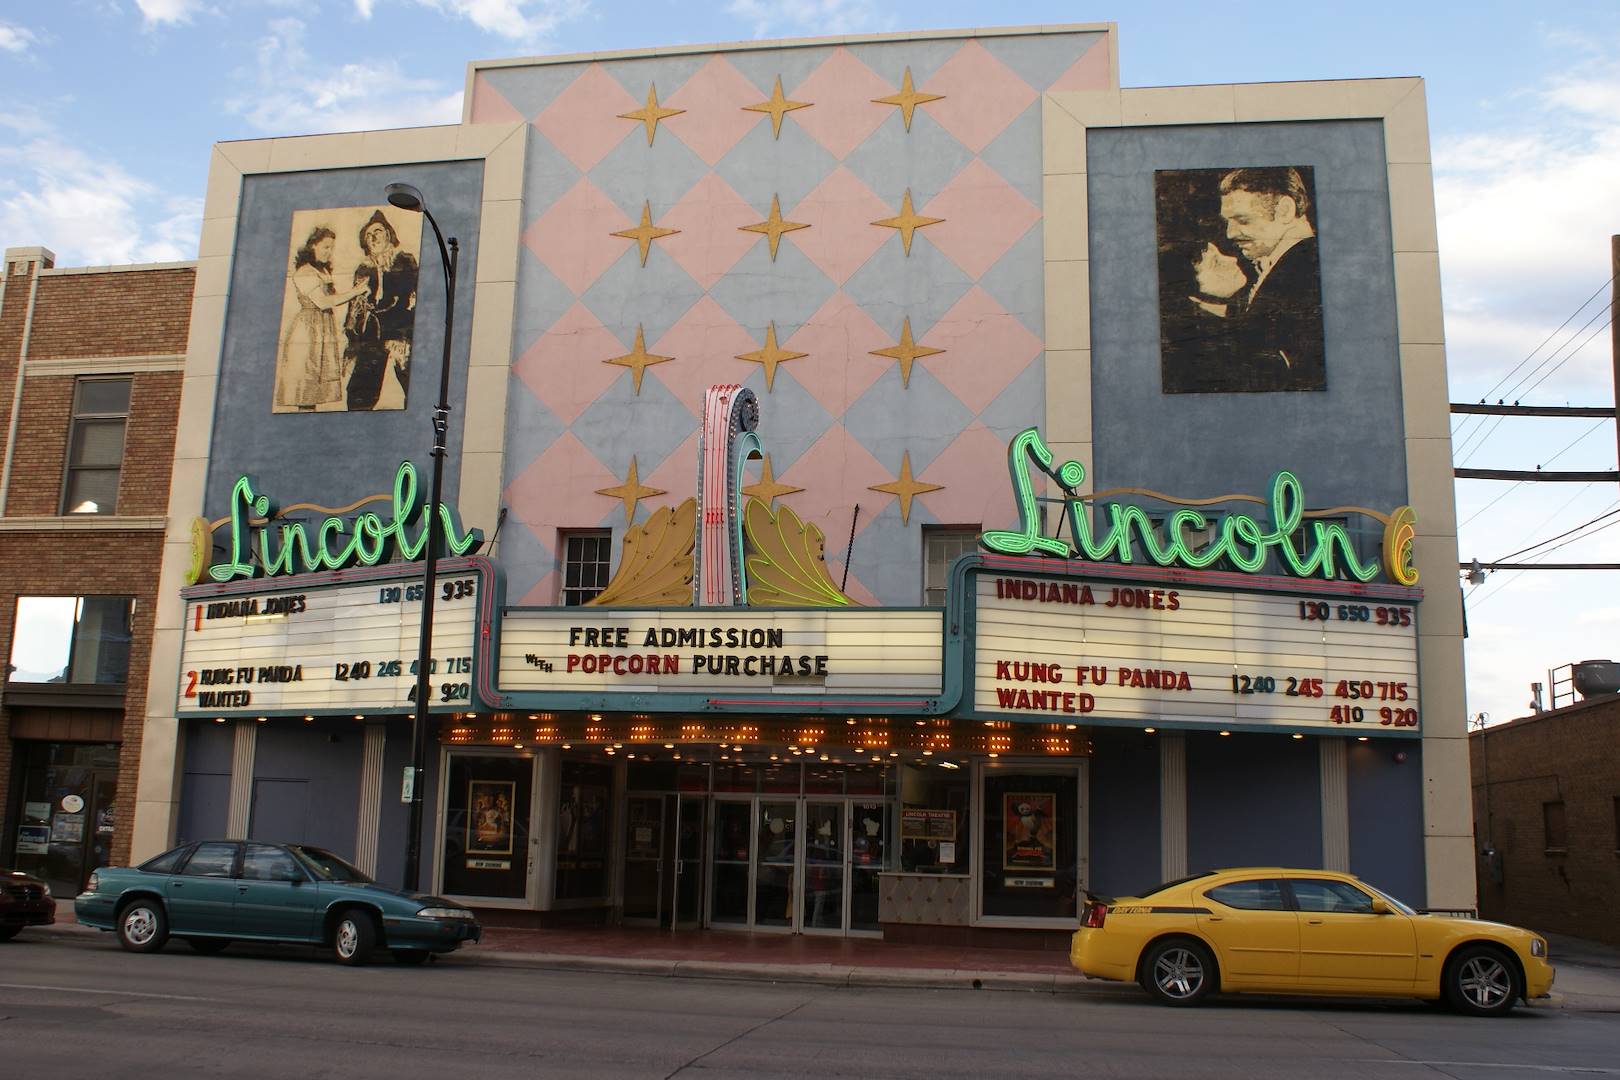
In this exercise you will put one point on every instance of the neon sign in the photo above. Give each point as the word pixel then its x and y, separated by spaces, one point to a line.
pixel 257 547
pixel 1244 542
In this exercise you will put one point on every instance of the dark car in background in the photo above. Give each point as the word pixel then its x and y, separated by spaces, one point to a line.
pixel 25 900
pixel 214 892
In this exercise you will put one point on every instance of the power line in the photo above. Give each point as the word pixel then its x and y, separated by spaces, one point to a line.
pixel 1488 430
pixel 1571 355
pixel 1538 348
pixel 1542 555
pixel 1610 512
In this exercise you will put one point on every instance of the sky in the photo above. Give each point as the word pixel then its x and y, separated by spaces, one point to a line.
pixel 109 108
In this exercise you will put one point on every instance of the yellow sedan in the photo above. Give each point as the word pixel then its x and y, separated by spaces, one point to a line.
pixel 1277 931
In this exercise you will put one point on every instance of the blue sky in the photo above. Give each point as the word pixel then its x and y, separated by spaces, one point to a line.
pixel 108 109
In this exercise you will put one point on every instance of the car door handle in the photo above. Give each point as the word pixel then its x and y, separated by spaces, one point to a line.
pixel 177 884
pixel 241 888
pixel 1215 918
pixel 1314 922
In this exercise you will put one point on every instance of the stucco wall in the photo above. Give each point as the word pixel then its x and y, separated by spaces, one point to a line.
pixel 335 458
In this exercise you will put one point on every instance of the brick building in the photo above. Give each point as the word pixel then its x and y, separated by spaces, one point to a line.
pixel 1547 803
pixel 91 362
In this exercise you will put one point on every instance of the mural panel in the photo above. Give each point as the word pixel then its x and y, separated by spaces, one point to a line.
pixel 1240 283
pixel 348 310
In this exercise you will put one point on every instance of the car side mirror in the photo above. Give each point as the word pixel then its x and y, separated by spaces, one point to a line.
pixel 1379 907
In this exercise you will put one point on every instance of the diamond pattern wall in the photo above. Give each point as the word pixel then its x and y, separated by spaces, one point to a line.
pixel 837 420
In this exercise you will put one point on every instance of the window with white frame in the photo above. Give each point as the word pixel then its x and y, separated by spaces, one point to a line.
pixel 95 446
pixel 585 564
pixel 942 546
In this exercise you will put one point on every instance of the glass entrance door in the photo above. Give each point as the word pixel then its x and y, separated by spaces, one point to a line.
pixel 822 868
pixel 806 864
pixel 644 859
pixel 688 879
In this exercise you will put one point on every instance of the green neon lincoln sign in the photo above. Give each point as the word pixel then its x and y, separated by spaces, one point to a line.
pixel 292 547
pixel 1244 542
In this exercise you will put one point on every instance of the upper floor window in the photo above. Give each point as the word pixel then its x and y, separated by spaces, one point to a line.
pixel 95 446
pixel 71 640
pixel 942 546
pixel 585 565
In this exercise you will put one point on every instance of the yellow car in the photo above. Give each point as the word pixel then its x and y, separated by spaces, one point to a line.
pixel 1276 931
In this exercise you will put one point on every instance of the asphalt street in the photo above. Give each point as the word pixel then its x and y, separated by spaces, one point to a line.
pixel 79 1006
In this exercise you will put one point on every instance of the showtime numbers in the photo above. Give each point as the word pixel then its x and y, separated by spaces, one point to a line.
pixel 1387 717
pixel 1265 684
pixel 411 594
pixel 1367 690
pixel 1394 618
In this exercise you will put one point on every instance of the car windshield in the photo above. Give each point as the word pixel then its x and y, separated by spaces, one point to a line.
pixel 328 867
pixel 1404 909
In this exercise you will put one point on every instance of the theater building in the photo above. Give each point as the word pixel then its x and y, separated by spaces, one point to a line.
pixel 893 484
pixel 90 370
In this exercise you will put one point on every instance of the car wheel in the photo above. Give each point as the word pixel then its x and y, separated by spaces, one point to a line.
pixel 354 937
pixel 1482 981
pixel 142 926
pixel 411 957
pixel 208 946
pixel 10 931
pixel 1179 972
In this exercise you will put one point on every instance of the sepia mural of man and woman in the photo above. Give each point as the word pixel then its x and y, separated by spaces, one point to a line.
pixel 348 311
pixel 1240 288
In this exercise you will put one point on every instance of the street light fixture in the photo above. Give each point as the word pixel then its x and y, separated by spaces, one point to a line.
pixel 407 197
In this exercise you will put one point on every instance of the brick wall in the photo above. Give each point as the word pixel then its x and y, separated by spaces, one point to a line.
pixel 1573 756
pixel 130 313
pixel 91 316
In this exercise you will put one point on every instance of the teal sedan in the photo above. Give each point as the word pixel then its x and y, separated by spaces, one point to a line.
pixel 212 893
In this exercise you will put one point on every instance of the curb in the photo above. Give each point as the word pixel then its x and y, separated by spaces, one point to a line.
pixel 810 974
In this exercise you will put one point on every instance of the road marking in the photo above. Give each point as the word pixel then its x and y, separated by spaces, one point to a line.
pixel 99 990
pixel 1592 1070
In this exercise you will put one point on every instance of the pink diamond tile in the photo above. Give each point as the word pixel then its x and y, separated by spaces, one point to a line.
pixel 573 237
pixel 982 96
pixel 676 474
pixel 840 211
pixel 583 121
pixel 705 344
pixel 559 488
pixel 544 593
pixel 835 473
pixel 839 336
pixel 985 349
pixel 714 97
pixel 853 587
pixel 489 107
pixel 983 217
pixel 1090 72
pixel 842 90
pixel 973 473
pixel 564 366
pixel 709 217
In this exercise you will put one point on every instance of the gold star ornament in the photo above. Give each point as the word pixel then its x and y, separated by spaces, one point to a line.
pixel 766 488
pixel 906 352
pixel 638 360
pixel 630 492
pixel 652 112
pixel 645 233
pixel 907 221
pixel 770 356
pixel 907 99
pixel 778 106
pixel 773 226
pixel 906 488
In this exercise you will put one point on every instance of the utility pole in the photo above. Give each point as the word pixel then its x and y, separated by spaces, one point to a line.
pixel 1614 330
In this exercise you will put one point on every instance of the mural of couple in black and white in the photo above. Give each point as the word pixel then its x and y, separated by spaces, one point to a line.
pixel 348 311
pixel 1240 284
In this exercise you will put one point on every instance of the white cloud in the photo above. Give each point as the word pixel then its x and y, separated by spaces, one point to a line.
pixel 155 12
pixel 16 39
pixel 88 210
pixel 292 93
pixel 816 17
pixel 1524 213
pixel 528 21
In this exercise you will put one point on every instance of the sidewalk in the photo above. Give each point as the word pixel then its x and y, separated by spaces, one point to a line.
pixel 1588 972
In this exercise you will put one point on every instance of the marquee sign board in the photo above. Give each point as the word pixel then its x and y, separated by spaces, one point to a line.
pixel 763 654
pixel 1177 655
pixel 325 643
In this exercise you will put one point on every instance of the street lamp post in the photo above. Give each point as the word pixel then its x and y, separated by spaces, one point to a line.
pixel 409 198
